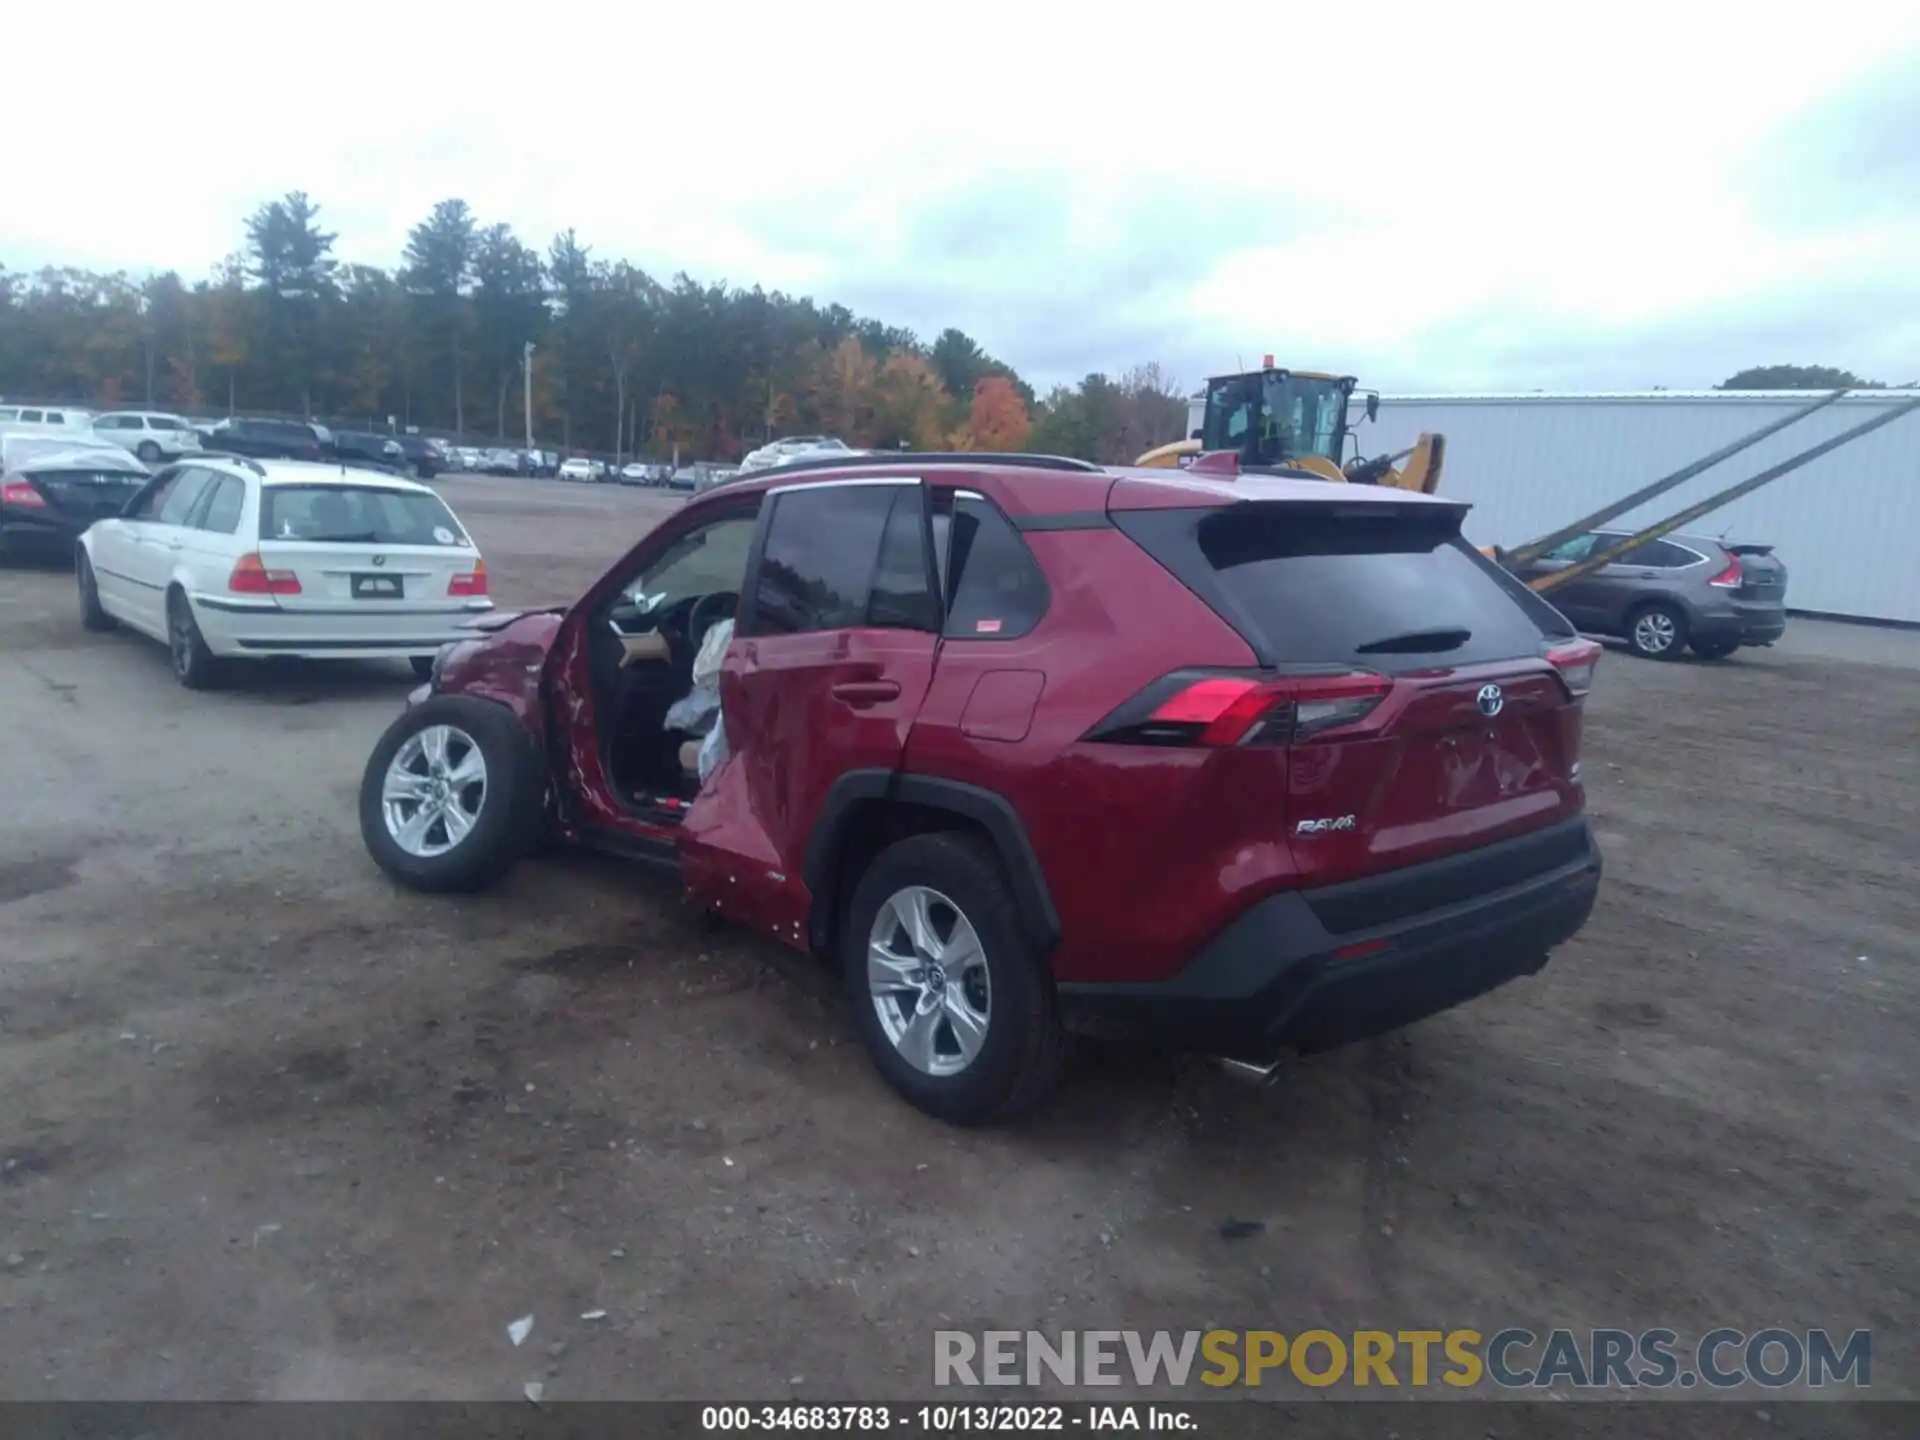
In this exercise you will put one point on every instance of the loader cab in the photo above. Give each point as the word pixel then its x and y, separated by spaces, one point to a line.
pixel 1275 417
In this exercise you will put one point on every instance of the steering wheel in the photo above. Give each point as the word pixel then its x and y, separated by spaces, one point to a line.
pixel 708 611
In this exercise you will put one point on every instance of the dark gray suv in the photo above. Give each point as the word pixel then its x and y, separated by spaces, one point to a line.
pixel 1666 595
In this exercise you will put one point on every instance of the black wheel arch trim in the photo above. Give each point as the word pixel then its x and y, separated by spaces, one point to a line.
pixel 992 812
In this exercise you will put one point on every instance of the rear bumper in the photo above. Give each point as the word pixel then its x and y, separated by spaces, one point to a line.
pixel 30 533
pixel 1755 626
pixel 1278 979
pixel 245 627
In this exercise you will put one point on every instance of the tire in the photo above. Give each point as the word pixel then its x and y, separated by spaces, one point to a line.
pixel 1022 1054
pixel 422 666
pixel 92 616
pixel 503 817
pixel 1717 650
pixel 194 665
pixel 1657 631
pixel 148 452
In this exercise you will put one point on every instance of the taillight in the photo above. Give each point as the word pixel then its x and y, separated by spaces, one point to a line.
pixel 1219 710
pixel 251 577
pixel 22 494
pixel 473 582
pixel 1729 578
pixel 1576 660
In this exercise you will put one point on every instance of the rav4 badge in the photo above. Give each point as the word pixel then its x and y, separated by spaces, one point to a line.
pixel 1315 827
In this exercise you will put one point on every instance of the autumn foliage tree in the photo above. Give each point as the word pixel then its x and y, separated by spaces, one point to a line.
pixel 999 417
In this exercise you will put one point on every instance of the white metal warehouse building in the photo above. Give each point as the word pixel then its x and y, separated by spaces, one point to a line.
pixel 1847 526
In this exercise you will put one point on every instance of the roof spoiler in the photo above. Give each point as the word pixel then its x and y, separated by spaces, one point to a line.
pixel 1224 463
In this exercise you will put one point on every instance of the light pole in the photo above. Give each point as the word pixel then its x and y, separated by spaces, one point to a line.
pixel 526 373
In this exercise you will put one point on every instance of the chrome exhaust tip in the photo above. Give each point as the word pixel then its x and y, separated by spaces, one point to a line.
pixel 1249 1071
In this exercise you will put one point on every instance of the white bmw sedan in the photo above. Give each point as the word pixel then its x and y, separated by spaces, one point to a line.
pixel 226 558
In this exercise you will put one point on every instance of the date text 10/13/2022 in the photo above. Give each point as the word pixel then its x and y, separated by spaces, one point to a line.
pixel 946 1419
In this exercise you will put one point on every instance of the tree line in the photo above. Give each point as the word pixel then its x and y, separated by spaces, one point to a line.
pixel 1803 377
pixel 622 362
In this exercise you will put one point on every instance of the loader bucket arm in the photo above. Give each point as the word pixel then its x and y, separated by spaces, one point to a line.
pixel 1168 457
pixel 1712 502
pixel 1534 549
pixel 1421 473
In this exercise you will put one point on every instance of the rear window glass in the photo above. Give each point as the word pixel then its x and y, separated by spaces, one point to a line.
pixel 1383 589
pixel 354 514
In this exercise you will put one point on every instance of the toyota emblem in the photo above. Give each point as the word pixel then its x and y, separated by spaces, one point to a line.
pixel 381 560
pixel 1490 700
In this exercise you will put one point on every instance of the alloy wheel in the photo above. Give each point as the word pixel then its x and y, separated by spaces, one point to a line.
pixel 927 977
pixel 180 639
pixel 435 787
pixel 1654 632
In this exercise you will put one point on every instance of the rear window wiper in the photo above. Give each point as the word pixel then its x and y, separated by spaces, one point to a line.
pixel 1417 642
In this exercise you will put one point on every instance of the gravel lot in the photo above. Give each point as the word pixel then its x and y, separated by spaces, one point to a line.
pixel 273 1128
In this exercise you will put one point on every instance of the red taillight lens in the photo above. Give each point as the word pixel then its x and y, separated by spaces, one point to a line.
pixel 251 577
pixel 474 582
pixel 1729 578
pixel 1222 710
pixel 1576 660
pixel 20 493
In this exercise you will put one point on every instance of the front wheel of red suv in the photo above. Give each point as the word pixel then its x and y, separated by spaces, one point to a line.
pixel 450 798
pixel 953 1002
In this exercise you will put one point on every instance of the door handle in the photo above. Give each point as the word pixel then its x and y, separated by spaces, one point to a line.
pixel 173 544
pixel 859 693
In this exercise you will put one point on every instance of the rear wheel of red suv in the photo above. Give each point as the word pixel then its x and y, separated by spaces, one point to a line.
pixel 952 1000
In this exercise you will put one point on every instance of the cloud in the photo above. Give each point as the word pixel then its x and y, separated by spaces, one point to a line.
pixel 1851 158
pixel 1437 196
pixel 1059 276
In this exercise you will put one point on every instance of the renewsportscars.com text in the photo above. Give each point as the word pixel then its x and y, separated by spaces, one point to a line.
pixel 1773 1357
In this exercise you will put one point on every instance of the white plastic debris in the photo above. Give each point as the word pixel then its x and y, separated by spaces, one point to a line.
pixel 520 1329
pixel 727 1160
pixel 533 1390
pixel 593 1314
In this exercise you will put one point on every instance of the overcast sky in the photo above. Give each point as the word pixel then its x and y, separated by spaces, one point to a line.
pixel 1435 197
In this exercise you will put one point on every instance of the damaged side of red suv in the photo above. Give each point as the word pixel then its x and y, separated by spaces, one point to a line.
pixel 1246 765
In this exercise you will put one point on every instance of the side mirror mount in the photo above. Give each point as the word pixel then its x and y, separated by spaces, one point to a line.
pixel 1373 405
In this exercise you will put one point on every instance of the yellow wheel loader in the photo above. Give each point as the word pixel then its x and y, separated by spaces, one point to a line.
pixel 1296 420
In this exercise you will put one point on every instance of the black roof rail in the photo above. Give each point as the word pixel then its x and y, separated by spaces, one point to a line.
pixel 896 458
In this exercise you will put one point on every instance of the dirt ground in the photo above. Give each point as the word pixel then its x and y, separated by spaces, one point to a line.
pixel 272 1128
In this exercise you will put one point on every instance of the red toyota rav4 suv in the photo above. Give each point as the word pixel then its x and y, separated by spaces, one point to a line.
pixel 1247 765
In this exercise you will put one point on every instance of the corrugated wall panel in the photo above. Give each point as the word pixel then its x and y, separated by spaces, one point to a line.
pixel 1847 526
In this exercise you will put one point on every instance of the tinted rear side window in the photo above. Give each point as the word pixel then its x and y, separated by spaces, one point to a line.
pixel 994 587
pixel 355 514
pixel 1378 587
pixel 1656 555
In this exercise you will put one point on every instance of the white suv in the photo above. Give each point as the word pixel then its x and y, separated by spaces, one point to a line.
pixel 227 558
pixel 153 435
pixel 793 448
